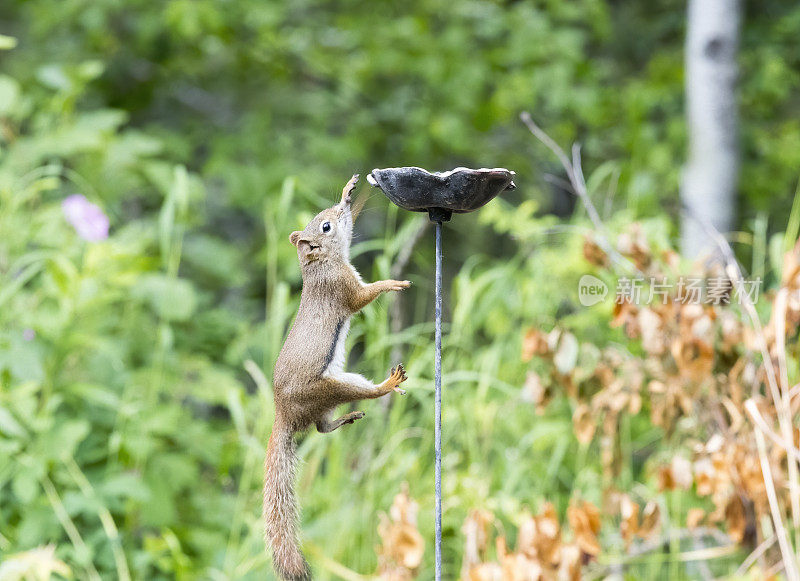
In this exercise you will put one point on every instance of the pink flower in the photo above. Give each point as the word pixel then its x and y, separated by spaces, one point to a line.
pixel 87 218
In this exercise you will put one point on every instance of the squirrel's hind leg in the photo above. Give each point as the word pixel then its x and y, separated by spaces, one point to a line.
pixel 326 424
pixel 349 387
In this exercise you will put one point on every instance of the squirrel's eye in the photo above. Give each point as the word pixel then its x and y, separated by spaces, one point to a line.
pixel 326 226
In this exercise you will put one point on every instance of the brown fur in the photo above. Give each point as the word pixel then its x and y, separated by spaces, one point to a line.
pixel 309 379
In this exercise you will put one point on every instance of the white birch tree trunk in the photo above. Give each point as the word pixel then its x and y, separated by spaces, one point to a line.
pixel 710 178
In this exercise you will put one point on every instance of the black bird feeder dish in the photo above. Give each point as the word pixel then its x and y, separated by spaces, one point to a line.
pixel 460 190
pixel 441 194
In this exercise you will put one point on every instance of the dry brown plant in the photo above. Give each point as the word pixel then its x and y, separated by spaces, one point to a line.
pixel 713 362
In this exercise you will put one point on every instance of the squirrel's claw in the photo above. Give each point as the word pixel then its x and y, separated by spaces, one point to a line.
pixel 348 188
pixel 353 416
pixel 397 375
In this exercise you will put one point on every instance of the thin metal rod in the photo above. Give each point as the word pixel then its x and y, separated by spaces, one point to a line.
pixel 437 402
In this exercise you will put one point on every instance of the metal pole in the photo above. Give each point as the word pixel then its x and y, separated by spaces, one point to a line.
pixel 437 402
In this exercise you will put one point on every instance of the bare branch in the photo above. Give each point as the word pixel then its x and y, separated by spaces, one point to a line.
pixel 754 556
pixel 662 543
pixel 557 181
pixel 578 187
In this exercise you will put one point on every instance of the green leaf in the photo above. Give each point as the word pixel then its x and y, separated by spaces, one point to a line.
pixel 9 94
pixel 22 358
pixel 173 299
pixel 127 485
pixel 91 69
pixel 54 77
pixel 63 272
pixel 7 42
pixel 9 425
pixel 25 485
pixel 214 258
pixel 61 442
pixel 160 508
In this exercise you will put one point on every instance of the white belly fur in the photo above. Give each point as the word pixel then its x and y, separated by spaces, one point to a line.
pixel 356 274
pixel 336 366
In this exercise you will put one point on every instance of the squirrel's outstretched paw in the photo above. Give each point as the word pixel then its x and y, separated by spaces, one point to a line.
pixel 398 285
pixel 397 375
pixel 348 188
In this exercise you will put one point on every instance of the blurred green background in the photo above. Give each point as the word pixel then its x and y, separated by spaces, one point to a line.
pixel 135 396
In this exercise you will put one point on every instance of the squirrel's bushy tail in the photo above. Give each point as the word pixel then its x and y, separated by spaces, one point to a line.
pixel 280 506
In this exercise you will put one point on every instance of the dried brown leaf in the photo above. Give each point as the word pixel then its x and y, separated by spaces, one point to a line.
pixel 583 423
pixel 694 517
pixel 402 546
pixel 584 520
pixel 534 343
pixel 735 518
pixel 651 520
pixel 593 253
pixel 629 511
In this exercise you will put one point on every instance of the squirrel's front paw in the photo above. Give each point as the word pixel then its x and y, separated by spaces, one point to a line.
pixel 398 285
pixel 397 375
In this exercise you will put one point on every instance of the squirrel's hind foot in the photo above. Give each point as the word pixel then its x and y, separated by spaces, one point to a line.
pixel 397 375
pixel 352 417
pixel 325 425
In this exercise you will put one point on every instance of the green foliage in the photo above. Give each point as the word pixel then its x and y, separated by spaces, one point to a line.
pixel 135 396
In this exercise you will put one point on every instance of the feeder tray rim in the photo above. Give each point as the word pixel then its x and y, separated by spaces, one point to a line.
pixel 440 174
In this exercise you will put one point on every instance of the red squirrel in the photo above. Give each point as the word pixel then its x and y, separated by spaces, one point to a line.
pixel 309 378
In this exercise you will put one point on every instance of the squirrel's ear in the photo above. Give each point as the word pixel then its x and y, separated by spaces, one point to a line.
pixel 294 237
